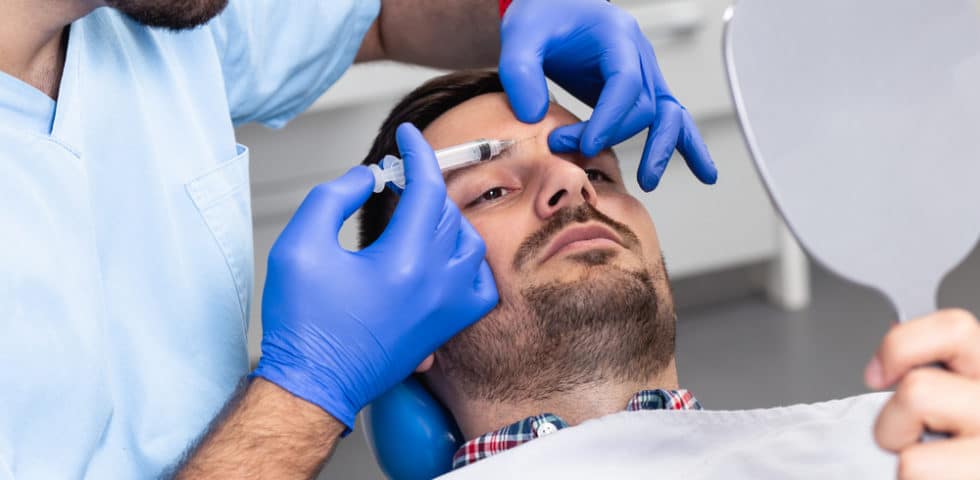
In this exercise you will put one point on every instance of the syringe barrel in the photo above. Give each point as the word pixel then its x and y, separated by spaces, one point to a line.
pixel 392 169
pixel 464 154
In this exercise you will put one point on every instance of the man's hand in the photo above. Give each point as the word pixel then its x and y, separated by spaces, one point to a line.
pixel 598 53
pixel 341 327
pixel 931 398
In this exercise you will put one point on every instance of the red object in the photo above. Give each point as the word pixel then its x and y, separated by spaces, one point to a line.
pixel 503 6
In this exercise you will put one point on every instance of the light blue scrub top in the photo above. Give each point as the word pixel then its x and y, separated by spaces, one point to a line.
pixel 126 241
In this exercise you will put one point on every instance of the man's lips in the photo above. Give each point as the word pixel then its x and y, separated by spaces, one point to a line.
pixel 584 236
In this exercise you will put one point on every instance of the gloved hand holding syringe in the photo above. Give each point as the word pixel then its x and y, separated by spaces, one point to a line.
pixel 392 169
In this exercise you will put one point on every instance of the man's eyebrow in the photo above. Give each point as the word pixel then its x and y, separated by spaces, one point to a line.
pixel 455 173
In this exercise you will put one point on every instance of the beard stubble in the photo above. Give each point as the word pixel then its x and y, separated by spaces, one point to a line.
pixel 611 324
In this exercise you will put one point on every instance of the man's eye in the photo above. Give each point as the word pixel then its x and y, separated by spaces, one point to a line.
pixel 491 195
pixel 596 175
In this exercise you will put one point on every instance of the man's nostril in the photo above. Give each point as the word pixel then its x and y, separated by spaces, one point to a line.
pixel 555 198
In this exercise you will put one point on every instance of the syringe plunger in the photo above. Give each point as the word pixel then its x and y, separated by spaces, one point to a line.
pixel 391 169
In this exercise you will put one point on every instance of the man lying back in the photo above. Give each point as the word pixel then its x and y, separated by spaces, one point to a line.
pixel 585 326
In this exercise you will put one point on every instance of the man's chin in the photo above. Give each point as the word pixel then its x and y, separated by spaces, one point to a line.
pixel 594 258
pixel 565 328
pixel 587 263
pixel 172 14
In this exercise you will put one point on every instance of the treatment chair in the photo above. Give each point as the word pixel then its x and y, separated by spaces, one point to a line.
pixel 410 433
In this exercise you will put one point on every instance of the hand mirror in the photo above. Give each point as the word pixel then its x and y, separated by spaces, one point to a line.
pixel 863 118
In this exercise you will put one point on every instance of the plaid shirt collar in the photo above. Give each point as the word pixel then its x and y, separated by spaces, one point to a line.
pixel 530 428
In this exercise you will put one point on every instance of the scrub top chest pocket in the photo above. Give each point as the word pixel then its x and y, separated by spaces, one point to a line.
pixel 222 197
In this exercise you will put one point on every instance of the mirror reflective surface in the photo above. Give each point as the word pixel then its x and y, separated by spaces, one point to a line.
pixel 863 118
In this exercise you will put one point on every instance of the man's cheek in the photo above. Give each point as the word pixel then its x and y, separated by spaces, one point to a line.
pixel 637 218
pixel 500 256
pixel 499 263
pixel 494 242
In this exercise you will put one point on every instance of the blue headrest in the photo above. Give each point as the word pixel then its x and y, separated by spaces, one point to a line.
pixel 410 433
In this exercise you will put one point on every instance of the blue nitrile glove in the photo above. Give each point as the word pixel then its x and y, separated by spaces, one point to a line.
pixel 598 53
pixel 341 327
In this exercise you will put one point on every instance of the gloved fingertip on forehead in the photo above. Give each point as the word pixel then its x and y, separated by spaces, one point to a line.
pixel 566 138
pixel 592 148
pixel 527 90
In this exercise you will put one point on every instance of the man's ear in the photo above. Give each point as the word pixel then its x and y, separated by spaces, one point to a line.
pixel 426 364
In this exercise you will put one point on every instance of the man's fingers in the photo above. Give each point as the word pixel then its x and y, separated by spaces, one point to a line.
pixel 956 459
pixel 660 145
pixel 928 399
pixel 948 336
pixel 421 207
pixel 522 76
pixel 325 208
pixel 695 152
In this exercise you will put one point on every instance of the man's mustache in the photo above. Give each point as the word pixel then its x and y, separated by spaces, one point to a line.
pixel 562 218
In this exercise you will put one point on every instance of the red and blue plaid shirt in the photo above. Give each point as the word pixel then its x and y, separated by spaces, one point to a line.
pixel 530 428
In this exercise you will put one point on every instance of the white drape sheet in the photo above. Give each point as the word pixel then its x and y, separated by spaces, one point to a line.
pixel 815 441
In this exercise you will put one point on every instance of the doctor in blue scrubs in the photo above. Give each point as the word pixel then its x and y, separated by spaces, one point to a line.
pixel 126 243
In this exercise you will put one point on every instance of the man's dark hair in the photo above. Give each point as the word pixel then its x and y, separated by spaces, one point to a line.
pixel 420 108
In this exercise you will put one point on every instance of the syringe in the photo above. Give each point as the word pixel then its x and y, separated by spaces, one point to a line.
pixel 392 169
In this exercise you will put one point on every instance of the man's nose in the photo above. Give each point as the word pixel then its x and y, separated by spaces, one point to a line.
pixel 565 184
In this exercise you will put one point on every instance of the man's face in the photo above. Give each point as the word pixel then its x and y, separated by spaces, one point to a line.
pixel 576 260
pixel 172 14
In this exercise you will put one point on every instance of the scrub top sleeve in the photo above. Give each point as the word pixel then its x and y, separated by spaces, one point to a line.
pixel 278 57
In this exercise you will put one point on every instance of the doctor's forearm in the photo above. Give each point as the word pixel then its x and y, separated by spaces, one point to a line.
pixel 269 433
pixel 448 34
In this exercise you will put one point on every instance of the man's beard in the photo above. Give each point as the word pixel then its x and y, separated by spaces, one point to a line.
pixel 610 325
pixel 171 14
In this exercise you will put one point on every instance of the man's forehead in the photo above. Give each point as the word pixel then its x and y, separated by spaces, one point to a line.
pixel 490 116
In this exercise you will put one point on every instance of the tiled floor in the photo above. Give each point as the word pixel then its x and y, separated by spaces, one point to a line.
pixel 745 353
